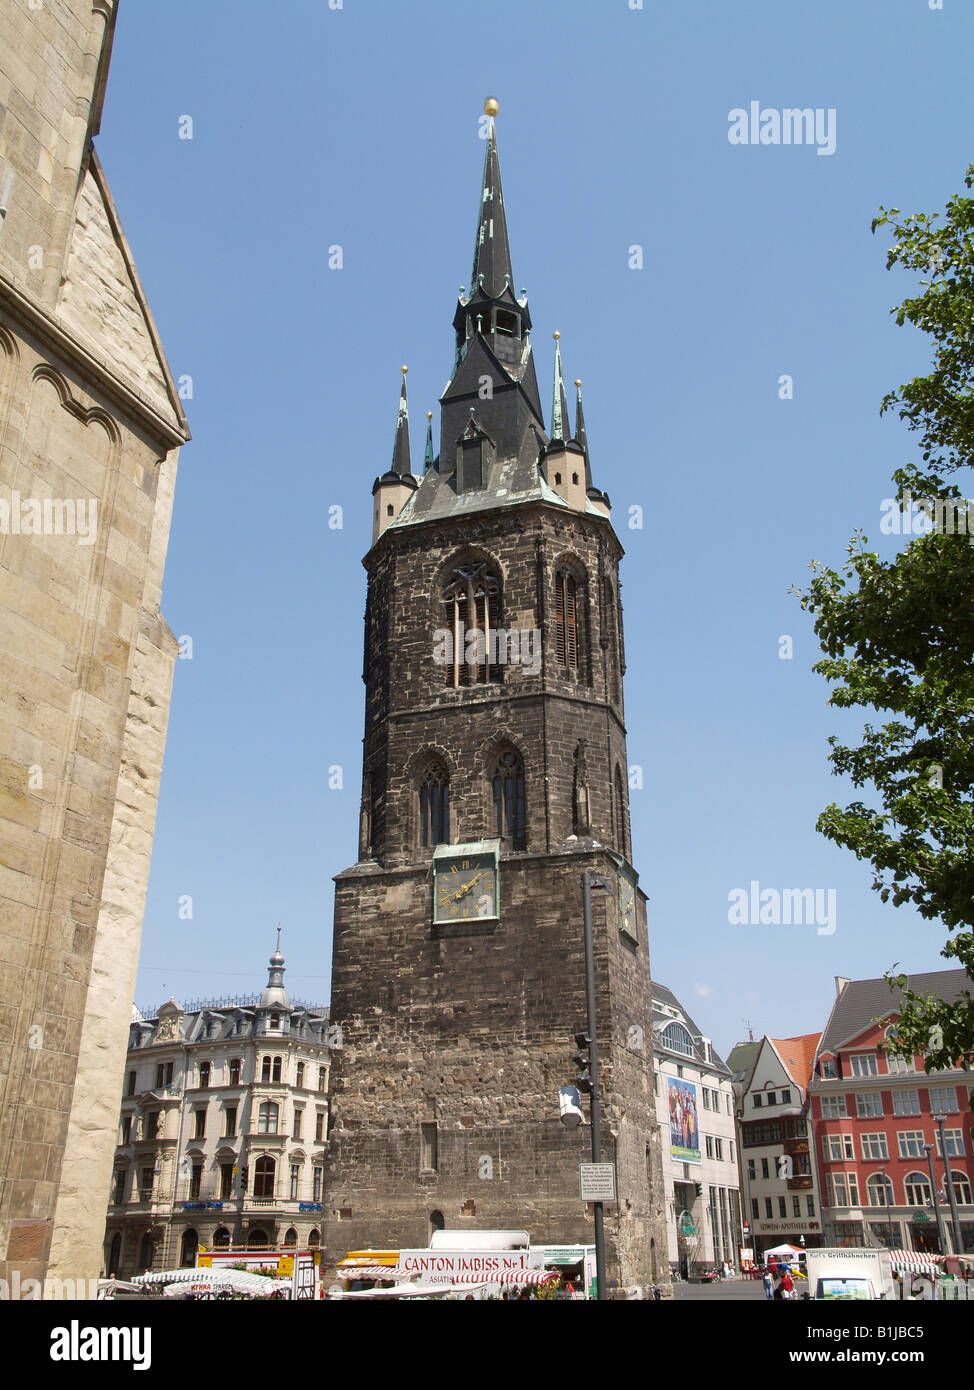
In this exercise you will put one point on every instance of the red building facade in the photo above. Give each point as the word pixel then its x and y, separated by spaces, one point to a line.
pixel 876 1120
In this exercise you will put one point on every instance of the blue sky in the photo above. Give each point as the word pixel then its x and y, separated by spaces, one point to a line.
pixel 314 127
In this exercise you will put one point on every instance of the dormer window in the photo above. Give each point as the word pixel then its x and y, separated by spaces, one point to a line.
pixel 275 1021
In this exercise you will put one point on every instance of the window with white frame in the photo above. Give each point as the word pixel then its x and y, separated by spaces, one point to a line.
pixel 718 1148
pixel 879 1190
pixel 864 1064
pixel 869 1104
pixel 874 1146
pixel 828 1069
pixel 962 1188
pixel 706 1097
pixel 943 1100
pixel 898 1065
pixel 906 1102
pixel 843 1189
pixel 917 1189
pixel 837 1148
pixel 752 1171
pixel 910 1142
pixel 954 1140
pixel 833 1108
pixel 758 1102
pixel 710 1146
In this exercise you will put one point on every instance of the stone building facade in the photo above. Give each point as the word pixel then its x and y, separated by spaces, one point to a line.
pixel 494 775
pixel 90 427
pixel 222 1130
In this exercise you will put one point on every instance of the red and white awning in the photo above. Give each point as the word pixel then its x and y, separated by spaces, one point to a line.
pixel 367 1272
pixel 519 1277
pixel 916 1262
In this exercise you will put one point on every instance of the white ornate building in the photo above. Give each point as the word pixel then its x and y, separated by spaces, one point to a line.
pixel 695 1111
pixel 223 1125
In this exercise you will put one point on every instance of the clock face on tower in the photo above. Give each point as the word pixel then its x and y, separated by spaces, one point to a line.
pixel 464 884
pixel 627 900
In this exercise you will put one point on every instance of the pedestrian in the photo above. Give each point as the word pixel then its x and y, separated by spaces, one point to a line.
pixel 787 1285
pixel 768 1284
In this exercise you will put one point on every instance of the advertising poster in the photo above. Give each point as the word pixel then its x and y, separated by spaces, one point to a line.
pixel 684 1129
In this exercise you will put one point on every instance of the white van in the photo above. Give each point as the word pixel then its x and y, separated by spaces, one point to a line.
pixel 839 1273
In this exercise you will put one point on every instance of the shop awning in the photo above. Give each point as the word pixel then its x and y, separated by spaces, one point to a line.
pixel 367 1271
pixel 520 1278
pixel 915 1261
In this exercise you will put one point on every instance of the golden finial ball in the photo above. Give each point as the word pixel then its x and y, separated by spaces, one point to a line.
pixel 429 414
pixel 404 370
pixel 490 106
pixel 556 335
pixel 578 381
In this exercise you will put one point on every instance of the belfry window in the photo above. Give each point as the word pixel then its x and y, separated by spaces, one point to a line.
pixel 566 620
pixel 507 785
pixel 472 602
pixel 434 806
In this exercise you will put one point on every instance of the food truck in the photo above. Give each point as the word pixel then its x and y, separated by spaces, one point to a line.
pixel 852 1273
pixel 466 1264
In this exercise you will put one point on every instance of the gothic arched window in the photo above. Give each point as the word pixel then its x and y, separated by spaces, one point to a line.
pixel 434 806
pixel 566 620
pixel 620 807
pixel 472 612
pixel 507 786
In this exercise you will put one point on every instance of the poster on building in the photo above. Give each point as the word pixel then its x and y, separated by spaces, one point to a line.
pixel 684 1129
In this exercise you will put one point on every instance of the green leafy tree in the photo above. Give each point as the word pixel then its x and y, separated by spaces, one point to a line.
pixel 898 638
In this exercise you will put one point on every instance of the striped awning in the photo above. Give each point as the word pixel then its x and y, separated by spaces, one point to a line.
pixel 367 1271
pixel 521 1278
pixel 915 1261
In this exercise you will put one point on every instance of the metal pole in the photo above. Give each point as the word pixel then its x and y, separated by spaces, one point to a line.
pixel 949 1184
pixel 928 1150
pixel 594 1074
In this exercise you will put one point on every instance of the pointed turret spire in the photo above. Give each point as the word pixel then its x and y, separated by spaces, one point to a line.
pixel 492 251
pixel 428 456
pixel 400 450
pixel 559 402
pixel 581 438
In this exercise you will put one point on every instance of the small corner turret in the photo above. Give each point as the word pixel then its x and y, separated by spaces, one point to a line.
pixel 393 489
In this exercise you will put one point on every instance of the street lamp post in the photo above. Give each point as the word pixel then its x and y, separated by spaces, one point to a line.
pixel 928 1150
pixel 598 883
pixel 949 1184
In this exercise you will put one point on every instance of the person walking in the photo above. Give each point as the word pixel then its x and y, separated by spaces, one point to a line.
pixel 768 1284
pixel 787 1285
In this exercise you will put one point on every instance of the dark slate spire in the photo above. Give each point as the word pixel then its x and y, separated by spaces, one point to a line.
pixel 559 402
pixel 428 456
pixel 400 450
pixel 492 326
pixel 581 438
pixel 492 250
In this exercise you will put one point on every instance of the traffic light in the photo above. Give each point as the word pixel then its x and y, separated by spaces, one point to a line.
pixel 582 1059
pixel 699 1188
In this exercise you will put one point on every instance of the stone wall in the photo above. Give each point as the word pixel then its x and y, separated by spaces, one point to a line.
pixel 90 425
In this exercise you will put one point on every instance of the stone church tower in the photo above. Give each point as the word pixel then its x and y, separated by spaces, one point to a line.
pixel 90 427
pixel 495 773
